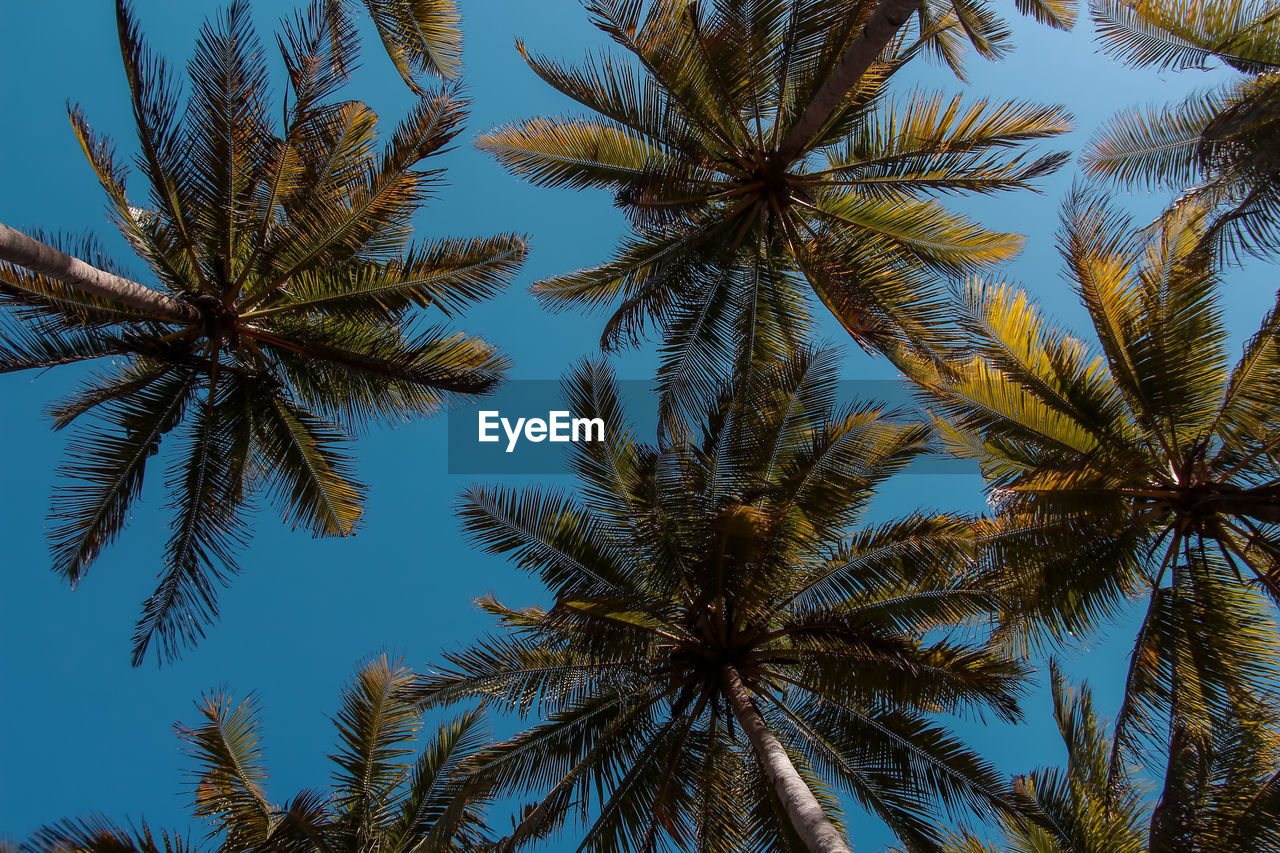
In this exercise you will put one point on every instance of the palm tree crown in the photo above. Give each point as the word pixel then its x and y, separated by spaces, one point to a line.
pixel 732 214
pixel 386 795
pixel 284 316
pixel 1229 790
pixel 1147 471
pixel 1216 148
pixel 708 589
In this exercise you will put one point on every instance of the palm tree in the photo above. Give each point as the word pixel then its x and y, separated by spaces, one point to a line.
pixel 723 653
pixel 741 200
pixel 1230 786
pixel 1217 148
pixel 282 319
pixel 1144 471
pixel 385 796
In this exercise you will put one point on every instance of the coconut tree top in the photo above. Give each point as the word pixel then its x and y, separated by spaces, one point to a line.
pixel 284 312
pixel 389 792
pixel 726 647
pixel 1142 466
pixel 1224 797
pixel 743 195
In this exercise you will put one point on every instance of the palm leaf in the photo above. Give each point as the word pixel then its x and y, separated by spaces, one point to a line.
pixel 91 505
pixel 208 508
pixel 231 773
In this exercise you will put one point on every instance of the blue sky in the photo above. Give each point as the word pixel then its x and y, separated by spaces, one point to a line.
pixel 80 731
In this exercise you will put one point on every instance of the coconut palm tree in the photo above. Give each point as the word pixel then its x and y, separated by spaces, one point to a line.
pixel 726 649
pixel 386 795
pixel 754 165
pixel 1216 148
pixel 282 318
pixel 1146 470
pixel 1228 783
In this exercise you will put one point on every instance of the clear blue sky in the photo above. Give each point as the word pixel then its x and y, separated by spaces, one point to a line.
pixel 80 731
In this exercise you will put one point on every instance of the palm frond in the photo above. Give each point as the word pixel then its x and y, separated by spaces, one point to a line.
pixel 308 477
pixel 1180 34
pixel 420 36
pixel 208 505
pixel 376 728
pixel 100 835
pixel 230 771
pixel 1156 146
pixel 546 532
pixel 440 802
pixel 92 504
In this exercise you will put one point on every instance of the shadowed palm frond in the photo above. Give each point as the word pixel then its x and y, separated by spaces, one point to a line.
pixel 1217 150
pixel 100 835
pixel 1217 794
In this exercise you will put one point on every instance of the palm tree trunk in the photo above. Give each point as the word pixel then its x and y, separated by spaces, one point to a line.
pixel 884 22
pixel 19 249
pixel 808 819
pixel 1173 819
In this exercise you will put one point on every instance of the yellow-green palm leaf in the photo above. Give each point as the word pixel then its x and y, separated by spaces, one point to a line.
pixel 1136 467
